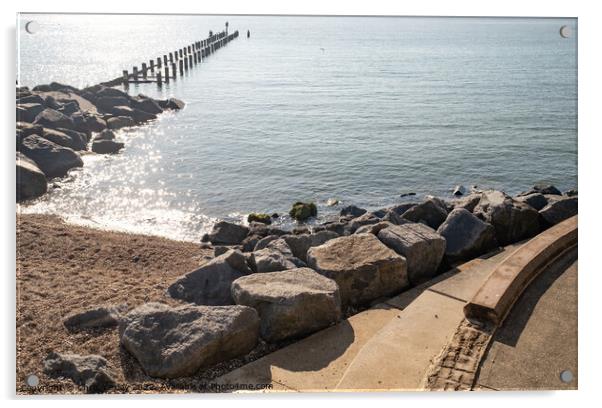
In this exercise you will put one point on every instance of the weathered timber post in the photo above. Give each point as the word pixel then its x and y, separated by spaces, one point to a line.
pixel 190 61
pixel 166 73
pixel 181 67
pixel 180 52
pixel 165 59
pixel 126 78
pixel 135 69
pixel 144 70
pixel 152 66
pixel 170 57
pixel 186 64
pixel 158 62
pixel 159 79
pixel 173 70
pixel 194 55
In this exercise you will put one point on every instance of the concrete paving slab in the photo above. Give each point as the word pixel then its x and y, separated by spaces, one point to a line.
pixel 317 362
pixel 398 356
pixel 538 340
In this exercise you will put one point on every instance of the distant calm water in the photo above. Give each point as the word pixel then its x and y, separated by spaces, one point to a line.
pixel 312 108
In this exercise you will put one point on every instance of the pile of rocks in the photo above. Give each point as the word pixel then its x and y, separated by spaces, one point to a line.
pixel 267 284
pixel 56 123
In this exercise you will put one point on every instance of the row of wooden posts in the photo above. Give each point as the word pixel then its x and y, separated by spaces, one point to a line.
pixel 165 68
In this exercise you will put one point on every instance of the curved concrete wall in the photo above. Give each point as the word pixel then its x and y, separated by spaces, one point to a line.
pixel 509 279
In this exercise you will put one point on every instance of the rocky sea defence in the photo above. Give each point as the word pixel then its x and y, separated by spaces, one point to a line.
pixel 266 285
pixel 58 123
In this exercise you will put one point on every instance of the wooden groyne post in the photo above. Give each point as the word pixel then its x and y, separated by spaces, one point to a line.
pixel 163 69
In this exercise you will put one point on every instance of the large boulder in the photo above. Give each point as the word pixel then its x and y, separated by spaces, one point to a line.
pixel 291 303
pixel 373 228
pixel 106 134
pixel 92 372
pixel 263 242
pixel 31 181
pixel 25 129
pixel 352 211
pixel 543 188
pixel 431 212
pixel 80 139
pixel 102 316
pixel 52 103
pixel 513 221
pixel 107 103
pixel 140 116
pixel 52 159
pixel 174 104
pixel 248 244
pixel 30 99
pixel 276 256
pixel 69 108
pixel 366 219
pixel 559 210
pixel 210 284
pixel 466 236
pixel 392 217
pixel 300 244
pixel 263 230
pixel 93 123
pixel 335 226
pixel 106 146
pixel 176 342
pixel 146 105
pixel 108 92
pixel 302 211
pixel 55 86
pixel 400 209
pixel 535 200
pixel 227 233
pixel 27 112
pixel 364 268
pixel 420 245
pixel 119 122
pixel 53 119
pixel 66 138
pixel 468 202
pixel 121 111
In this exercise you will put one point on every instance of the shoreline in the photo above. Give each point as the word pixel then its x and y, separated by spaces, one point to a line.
pixel 65 269
pixel 288 225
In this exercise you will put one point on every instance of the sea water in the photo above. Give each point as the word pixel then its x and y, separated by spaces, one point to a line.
pixel 355 109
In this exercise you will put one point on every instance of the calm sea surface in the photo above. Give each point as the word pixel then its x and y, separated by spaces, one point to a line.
pixel 312 108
